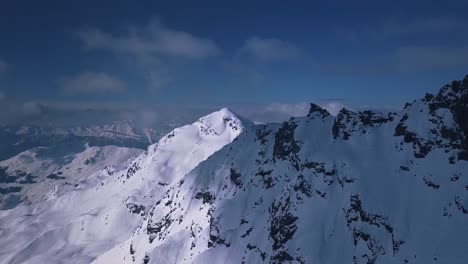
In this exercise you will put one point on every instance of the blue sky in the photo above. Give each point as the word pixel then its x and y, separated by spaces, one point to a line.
pixel 364 53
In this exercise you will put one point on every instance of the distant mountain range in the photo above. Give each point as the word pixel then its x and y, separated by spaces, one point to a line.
pixel 16 138
pixel 359 187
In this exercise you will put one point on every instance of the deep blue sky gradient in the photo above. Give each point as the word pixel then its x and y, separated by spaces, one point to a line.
pixel 349 50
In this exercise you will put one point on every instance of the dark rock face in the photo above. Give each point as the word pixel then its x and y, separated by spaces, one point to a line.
pixel 454 98
pixel 215 233
pixel 320 170
pixel 338 129
pixel 206 197
pixel 286 147
pixel 315 109
pixel 266 178
pixel 357 220
pixel 132 170
pixel 54 176
pixel 282 223
pixel 262 254
pixel 460 206
pixel 231 124
pixel 4 177
pixel 369 118
pixel 262 134
pixel 136 208
pixel 431 184
pixel 20 177
pixel 154 229
pixel 281 257
pixel 235 178
pixel 421 146
pixel 303 186
pixel 146 259
pixel 348 122
pixel 11 189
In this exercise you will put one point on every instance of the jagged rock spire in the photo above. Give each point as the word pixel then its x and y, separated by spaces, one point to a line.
pixel 317 109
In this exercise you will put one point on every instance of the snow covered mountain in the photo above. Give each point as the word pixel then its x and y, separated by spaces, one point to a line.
pixel 361 187
pixel 86 222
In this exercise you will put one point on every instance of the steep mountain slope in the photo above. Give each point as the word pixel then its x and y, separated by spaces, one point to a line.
pixel 84 223
pixel 359 188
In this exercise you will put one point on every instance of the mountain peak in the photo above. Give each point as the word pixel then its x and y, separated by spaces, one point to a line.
pixel 220 115
pixel 317 110
pixel 222 121
pixel 220 126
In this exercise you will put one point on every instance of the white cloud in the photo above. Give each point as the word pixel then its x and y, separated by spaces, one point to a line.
pixel 300 109
pixel 150 41
pixel 271 49
pixel 151 46
pixel 333 106
pixel 275 112
pixel 91 82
